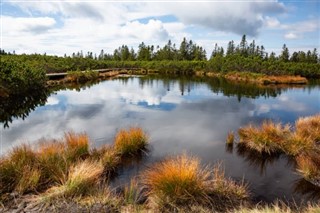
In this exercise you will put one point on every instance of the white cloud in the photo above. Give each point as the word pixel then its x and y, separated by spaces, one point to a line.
pixel 16 26
pixel 71 26
pixel 291 36
pixel 153 30
pixel 272 22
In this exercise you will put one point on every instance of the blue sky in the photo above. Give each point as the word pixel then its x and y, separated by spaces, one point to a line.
pixel 58 27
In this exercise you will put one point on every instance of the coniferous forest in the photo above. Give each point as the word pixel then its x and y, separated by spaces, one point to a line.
pixel 28 70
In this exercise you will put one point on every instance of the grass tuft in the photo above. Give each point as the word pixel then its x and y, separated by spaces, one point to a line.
pixel 182 181
pixel 77 145
pixel 230 138
pixel 309 128
pixel 82 178
pixel 270 138
pixel 15 167
pixel 53 162
pixel 224 187
pixel 130 142
pixel 178 180
pixel 308 165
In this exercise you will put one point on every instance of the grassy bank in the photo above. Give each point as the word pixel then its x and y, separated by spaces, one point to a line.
pixel 67 175
pixel 301 142
pixel 256 78
pixel 67 171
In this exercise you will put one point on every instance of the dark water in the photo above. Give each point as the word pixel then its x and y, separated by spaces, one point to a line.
pixel 180 114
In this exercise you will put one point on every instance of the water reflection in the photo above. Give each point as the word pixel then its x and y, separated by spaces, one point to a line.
pixel 19 106
pixel 180 114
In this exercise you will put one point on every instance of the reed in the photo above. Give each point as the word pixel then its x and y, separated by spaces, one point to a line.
pixel 130 142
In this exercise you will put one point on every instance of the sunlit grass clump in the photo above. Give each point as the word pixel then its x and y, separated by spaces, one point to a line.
pixel 230 138
pixel 67 164
pixel 77 145
pixel 82 179
pixel 130 142
pixel 301 142
pixel 183 181
pixel 179 179
pixel 19 170
pixel 308 165
pixel 269 138
pixel 309 128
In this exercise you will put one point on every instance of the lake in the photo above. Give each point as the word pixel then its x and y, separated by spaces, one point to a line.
pixel 180 114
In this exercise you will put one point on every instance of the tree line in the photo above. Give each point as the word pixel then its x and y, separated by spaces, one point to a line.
pixel 24 72
pixel 190 51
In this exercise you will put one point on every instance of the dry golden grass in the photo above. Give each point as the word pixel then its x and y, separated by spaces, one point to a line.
pixel 53 161
pixel 83 177
pixel 308 128
pixel 14 168
pixel 225 187
pixel 110 160
pixel 77 145
pixel 308 165
pixel 182 182
pixel 29 179
pixel 130 142
pixel 177 180
pixel 230 138
pixel 270 138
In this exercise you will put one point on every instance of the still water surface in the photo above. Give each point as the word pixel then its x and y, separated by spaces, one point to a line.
pixel 179 114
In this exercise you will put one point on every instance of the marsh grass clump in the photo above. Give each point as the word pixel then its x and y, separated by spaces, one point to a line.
pixel 16 170
pixel 225 187
pixel 130 142
pixel 77 145
pixel 302 143
pixel 82 179
pixel 308 165
pixel 230 138
pixel 182 181
pixel 179 179
pixel 270 138
pixel 53 161
pixel 132 193
pixel 308 128
pixel 108 157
